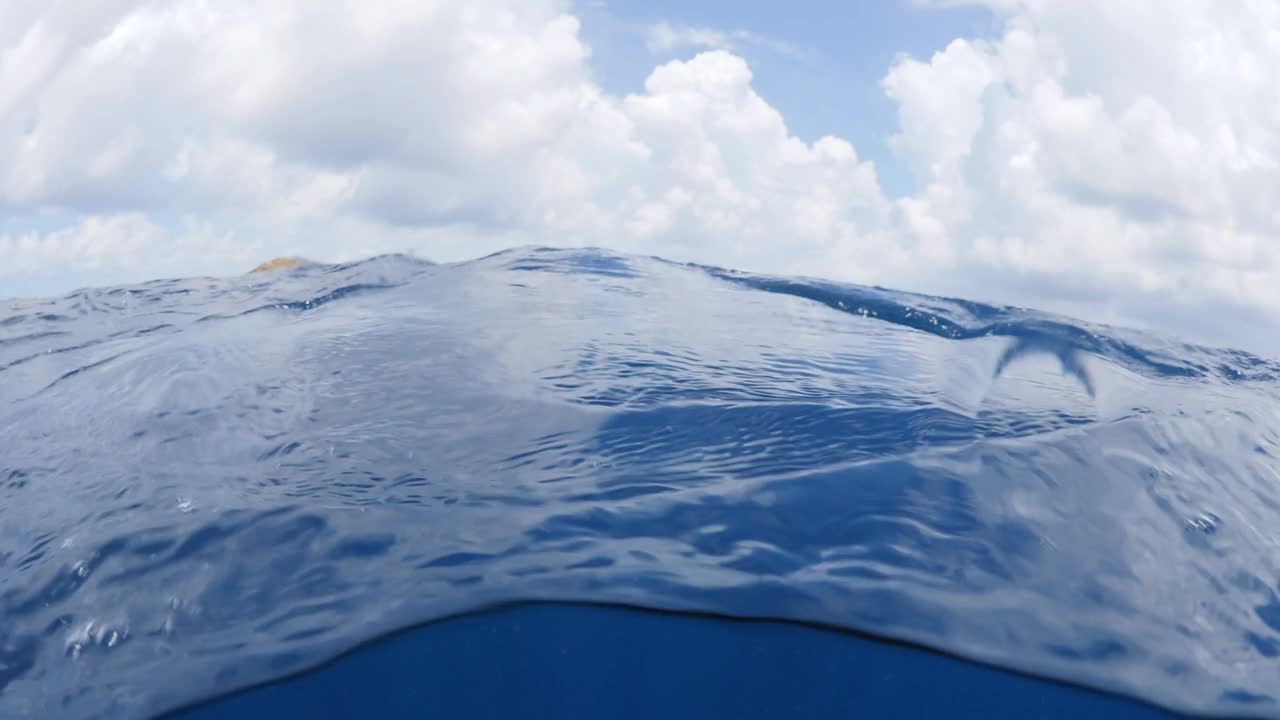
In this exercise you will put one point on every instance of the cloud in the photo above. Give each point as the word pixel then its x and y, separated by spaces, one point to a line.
pixel 1115 160
pixel 99 243
pixel 455 128
pixel 1117 154
pixel 664 38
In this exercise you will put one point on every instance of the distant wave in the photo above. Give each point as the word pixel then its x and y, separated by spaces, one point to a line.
pixel 205 483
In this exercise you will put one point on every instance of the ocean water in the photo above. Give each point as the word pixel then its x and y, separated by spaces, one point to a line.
pixel 581 662
pixel 208 484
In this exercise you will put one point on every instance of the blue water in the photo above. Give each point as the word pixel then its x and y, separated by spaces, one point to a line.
pixel 206 484
pixel 590 662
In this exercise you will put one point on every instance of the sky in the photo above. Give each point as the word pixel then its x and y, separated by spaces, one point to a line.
pixel 1114 160
pixel 819 62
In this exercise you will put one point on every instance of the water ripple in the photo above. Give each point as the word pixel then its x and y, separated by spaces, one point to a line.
pixel 207 483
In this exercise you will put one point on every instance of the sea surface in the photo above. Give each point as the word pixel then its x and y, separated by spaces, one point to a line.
pixel 208 484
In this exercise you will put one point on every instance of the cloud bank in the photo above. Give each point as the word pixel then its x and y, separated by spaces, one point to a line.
pixel 1114 160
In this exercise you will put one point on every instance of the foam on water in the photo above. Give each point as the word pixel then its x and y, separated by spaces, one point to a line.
pixel 208 483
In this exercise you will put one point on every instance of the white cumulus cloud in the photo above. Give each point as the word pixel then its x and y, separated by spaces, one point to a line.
pixel 1109 158
pixel 455 129
pixel 1116 160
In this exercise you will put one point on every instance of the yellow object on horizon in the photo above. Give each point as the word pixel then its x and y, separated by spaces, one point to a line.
pixel 281 263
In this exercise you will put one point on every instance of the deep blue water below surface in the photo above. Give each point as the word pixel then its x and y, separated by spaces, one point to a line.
pixel 209 484
pixel 566 661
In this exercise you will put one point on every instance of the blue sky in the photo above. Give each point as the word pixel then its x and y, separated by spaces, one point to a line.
pixel 832 88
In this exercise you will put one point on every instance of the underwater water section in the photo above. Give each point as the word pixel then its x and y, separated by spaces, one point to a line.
pixel 210 484
pixel 570 661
